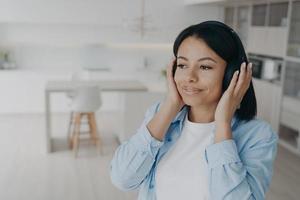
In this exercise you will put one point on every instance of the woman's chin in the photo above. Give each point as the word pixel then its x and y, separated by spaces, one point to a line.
pixel 192 102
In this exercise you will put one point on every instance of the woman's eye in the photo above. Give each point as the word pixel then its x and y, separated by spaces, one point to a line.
pixel 180 66
pixel 205 67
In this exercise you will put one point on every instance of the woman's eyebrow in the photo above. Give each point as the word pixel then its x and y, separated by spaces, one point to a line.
pixel 201 59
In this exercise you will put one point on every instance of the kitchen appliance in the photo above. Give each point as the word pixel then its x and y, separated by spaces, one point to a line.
pixel 265 67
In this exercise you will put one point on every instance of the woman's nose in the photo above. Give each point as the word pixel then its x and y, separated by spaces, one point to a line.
pixel 191 76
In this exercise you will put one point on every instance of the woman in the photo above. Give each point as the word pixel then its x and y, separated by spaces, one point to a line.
pixel 204 140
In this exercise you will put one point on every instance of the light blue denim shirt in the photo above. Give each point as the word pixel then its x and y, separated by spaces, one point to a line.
pixel 239 168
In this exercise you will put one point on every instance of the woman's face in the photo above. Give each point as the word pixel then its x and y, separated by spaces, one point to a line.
pixel 199 74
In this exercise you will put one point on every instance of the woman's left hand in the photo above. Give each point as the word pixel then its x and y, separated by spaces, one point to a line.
pixel 232 97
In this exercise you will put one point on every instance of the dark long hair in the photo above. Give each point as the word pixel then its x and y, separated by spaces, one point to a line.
pixel 225 42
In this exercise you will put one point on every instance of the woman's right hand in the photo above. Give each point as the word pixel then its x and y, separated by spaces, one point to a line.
pixel 172 104
pixel 173 96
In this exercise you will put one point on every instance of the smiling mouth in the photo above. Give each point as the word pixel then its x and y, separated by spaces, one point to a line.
pixel 191 91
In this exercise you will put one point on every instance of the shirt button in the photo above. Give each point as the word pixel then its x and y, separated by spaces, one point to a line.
pixel 169 140
pixel 144 152
pixel 151 186
pixel 155 144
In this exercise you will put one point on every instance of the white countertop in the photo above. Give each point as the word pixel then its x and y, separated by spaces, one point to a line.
pixel 23 90
pixel 104 85
pixel 153 80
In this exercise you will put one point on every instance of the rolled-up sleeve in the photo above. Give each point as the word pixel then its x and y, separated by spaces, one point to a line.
pixel 245 175
pixel 134 158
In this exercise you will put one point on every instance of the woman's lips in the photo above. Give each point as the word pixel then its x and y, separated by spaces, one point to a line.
pixel 191 91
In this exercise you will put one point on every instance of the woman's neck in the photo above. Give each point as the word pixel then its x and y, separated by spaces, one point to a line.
pixel 202 114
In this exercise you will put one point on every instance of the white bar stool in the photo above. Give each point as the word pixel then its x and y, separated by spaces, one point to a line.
pixel 76 76
pixel 86 102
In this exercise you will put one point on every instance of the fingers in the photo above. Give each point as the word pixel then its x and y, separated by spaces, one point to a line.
pixel 233 81
pixel 250 72
pixel 170 68
pixel 244 80
pixel 242 76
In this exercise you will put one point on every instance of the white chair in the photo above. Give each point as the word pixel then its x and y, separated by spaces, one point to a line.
pixel 86 102
pixel 76 76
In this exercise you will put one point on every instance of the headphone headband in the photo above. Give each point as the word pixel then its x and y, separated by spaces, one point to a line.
pixel 232 32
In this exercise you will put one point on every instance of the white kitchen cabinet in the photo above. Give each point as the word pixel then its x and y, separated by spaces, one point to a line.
pixel 294 34
pixel 259 14
pixel 268 96
pixel 268 32
pixel 257 39
pixel 290 124
pixel 278 13
pixel 292 105
pixel 290 116
pixel 271 14
pixel 243 23
pixel 275 43
pixel 292 80
pixel 229 16
pixel 269 41
pixel 237 17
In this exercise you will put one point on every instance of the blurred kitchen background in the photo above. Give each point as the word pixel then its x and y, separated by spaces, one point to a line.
pixel 50 49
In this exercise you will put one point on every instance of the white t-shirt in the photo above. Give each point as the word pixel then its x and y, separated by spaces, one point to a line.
pixel 182 173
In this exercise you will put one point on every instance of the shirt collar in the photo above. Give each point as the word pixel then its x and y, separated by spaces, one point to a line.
pixel 183 112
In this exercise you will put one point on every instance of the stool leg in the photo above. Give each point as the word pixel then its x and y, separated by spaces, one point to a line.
pixel 94 133
pixel 76 133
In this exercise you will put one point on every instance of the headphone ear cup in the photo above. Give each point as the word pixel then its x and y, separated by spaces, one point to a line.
pixel 229 71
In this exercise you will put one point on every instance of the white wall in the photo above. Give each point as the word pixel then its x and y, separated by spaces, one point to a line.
pixel 103 12
pixel 58 33
pixel 66 11
pixel 58 37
